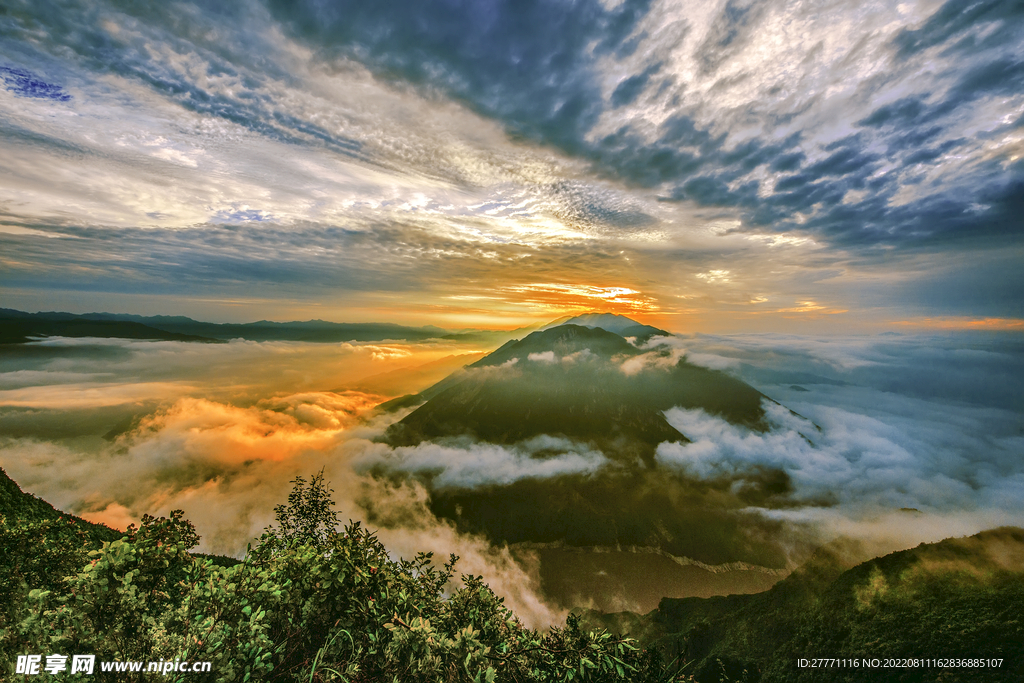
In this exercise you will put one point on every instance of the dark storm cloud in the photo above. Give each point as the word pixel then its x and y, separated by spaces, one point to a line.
pixel 630 88
pixel 923 155
pixel 845 160
pixel 787 162
pixel 955 19
pixel 532 65
pixel 905 111
pixel 988 217
pixel 535 71
pixel 999 77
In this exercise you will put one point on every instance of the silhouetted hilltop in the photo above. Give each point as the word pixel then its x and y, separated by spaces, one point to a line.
pixel 17 328
pixel 16 505
pixel 18 325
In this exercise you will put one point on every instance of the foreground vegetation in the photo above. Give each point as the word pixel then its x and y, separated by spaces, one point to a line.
pixel 308 603
pixel 311 603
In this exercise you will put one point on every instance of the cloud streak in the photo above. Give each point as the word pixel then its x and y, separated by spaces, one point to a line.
pixel 471 465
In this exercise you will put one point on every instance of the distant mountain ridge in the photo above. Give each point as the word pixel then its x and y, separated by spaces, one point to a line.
pixel 19 327
pixel 180 328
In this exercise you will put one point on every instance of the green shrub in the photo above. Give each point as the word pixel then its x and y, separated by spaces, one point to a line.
pixel 308 603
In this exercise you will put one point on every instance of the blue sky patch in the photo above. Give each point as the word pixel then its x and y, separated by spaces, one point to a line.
pixel 27 84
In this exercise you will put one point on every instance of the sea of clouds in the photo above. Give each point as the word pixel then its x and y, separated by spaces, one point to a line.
pixel 897 440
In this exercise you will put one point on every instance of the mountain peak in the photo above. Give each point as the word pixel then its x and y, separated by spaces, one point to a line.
pixel 611 322
pixel 563 340
pixel 569 381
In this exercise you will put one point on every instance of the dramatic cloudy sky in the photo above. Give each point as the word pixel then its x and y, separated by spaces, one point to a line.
pixel 812 165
